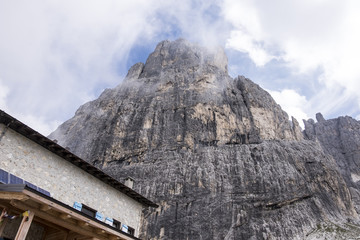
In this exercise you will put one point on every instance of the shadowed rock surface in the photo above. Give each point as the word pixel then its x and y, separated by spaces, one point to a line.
pixel 217 154
pixel 340 137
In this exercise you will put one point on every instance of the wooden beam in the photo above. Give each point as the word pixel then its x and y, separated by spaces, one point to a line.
pixel 13 195
pixel 24 226
pixel 48 225
pixel 60 235
pixel 99 231
pixel 111 237
pixel 58 221
pixel 3 225
pixel 45 208
pixel 64 216
pixel 83 224
pixel 75 215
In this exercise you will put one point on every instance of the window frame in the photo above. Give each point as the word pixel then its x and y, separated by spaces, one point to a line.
pixel 131 231
pixel 116 224
pixel 88 209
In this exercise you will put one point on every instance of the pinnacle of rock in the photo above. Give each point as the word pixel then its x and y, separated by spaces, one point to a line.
pixel 320 118
pixel 182 55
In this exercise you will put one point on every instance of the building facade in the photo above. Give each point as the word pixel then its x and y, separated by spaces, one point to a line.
pixel 46 169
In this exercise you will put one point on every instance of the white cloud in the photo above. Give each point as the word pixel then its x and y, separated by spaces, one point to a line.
pixel 38 123
pixel 4 91
pixel 307 35
pixel 56 55
pixel 244 43
pixel 247 34
pixel 293 103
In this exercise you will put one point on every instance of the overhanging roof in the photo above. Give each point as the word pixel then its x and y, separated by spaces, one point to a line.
pixel 50 145
pixel 55 214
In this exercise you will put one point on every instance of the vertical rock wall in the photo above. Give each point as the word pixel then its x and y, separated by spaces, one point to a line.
pixel 340 137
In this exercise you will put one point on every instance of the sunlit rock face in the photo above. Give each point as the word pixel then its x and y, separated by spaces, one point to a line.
pixel 217 154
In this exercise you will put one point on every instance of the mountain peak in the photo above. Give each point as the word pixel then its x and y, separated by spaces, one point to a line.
pixel 216 153
pixel 182 97
pixel 182 54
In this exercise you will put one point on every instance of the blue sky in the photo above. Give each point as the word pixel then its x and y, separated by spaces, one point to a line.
pixel 56 55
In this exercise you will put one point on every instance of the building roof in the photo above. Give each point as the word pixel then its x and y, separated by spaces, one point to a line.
pixel 52 146
pixel 50 212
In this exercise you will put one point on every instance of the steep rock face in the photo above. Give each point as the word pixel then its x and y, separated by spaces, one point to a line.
pixel 181 98
pixel 340 137
pixel 276 189
pixel 218 154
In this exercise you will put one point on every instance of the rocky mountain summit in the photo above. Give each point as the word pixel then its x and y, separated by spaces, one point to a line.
pixel 217 154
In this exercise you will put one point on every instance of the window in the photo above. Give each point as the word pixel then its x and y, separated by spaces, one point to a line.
pixel 116 224
pixel 131 231
pixel 127 229
pixel 4 176
pixel 88 211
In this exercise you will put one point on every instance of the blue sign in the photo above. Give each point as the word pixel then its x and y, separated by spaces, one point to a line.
pixel 125 228
pixel 99 216
pixel 77 206
pixel 109 221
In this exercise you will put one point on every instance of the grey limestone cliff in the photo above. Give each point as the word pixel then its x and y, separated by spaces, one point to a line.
pixel 217 154
pixel 340 137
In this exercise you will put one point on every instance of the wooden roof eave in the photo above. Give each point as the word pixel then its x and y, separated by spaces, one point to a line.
pixel 52 211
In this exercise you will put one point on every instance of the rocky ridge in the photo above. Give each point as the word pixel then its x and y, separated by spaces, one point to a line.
pixel 217 154
pixel 340 138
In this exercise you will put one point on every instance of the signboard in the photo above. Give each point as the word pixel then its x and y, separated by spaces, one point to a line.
pixel 125 228
pixel 77 206
pixel 99 216
pixel 109 221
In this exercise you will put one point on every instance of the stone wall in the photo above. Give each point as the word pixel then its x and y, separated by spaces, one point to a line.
pixel 65 182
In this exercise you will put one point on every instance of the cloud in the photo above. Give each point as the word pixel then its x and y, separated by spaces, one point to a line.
pixel 38 123
pixel 306 35
pixel 56 55
pixel 246 35
pixel 4 91
pixel 242 42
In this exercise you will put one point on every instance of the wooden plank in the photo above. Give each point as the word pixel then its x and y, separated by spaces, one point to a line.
pixel 83 224
pixel 13 195
pixel 24 226
pixel 113 238
pixel 74 214
pixel 58 221
pixel 99 231
pixel 64 216
pixel 45 207
pixel 48 225
pixel 56 235
pixel 3 225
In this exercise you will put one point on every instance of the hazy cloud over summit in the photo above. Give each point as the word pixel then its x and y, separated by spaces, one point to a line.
pixel 56 55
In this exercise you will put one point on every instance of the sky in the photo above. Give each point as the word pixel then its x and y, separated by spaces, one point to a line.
pixel 56 55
